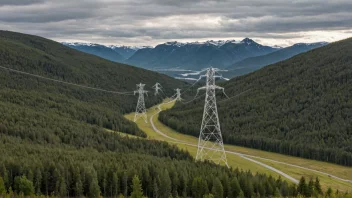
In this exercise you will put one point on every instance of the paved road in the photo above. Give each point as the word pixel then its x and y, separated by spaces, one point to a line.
pixel 247 157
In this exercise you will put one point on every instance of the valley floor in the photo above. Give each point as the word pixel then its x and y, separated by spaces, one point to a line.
pixel 288 167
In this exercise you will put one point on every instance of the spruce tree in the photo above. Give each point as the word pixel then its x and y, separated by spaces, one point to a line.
pixel 165 184
pixel 310 188
pixel 94 189
pixel 137 191
pixel 317 186
pixel 23 185
pixel 2 186
pixel 235 187
pixel 155 189
pixel 329 192
pixel 302 186
pixel 217 190
pixel 62 188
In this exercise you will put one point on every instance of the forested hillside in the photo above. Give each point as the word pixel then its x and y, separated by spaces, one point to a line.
pixel 53 139
pixel 301 107
pixel 43 57
pixel 254 63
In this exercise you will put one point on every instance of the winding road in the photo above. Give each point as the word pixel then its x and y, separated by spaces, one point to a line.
pixel 245 156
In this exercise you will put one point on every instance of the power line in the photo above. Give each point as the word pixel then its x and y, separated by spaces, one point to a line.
pixel 193 99
pixel 68 83
pixel 234 96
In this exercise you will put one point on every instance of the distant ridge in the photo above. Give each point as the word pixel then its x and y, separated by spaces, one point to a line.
pixel 197 55
pixel 254 63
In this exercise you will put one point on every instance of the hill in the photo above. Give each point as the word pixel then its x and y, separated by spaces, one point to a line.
pixel 54 140
pixel 197 55
pixel 301 107
pixel 254 63
pixel 98 50
pixel 43 57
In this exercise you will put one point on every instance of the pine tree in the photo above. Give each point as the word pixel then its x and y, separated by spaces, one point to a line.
pixel 137 191
pixel 78 187
pixel 165 184
pixel 199 187
pixel 62 188
pixel 317 186
pixel 328 192
pixel 94 189
pixel 23 185
pixel 209 196
pixel 4 175
pixel 2 186
pixel 235 187
pixel 155 189
pixel 310 188
pixel 38 181
pixel 217 190
pixel 302 186
pixel 114 185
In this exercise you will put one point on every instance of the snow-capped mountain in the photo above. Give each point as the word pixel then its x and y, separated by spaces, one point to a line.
pixel 126 51
pixel 196 55
pixel 96 49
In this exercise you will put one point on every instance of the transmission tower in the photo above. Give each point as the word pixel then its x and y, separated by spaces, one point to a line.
pixel 157 88
pixel 178 94
pixel 210 143
pixel 140 109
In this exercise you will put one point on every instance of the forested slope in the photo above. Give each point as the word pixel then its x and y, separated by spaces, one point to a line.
pixel 301 107
pixel 43 57
pixel 53 141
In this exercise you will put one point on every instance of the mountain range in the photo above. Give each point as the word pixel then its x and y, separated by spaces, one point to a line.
pixel 239 57
pixel 197 55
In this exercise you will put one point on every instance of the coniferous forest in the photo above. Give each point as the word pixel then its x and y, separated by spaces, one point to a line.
pixel 54 139
pixel 300 107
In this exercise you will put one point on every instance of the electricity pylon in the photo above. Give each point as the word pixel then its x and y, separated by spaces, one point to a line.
pixel 210 143
pixel 178 94
pixel 157 88
pixel 140 109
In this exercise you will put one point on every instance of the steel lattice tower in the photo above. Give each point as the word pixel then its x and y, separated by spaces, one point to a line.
pixel 140 109
pixel 178 94
pixel 210 143
pixel 157 87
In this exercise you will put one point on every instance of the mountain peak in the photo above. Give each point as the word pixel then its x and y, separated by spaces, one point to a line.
pixel 248 41
pixel 174 43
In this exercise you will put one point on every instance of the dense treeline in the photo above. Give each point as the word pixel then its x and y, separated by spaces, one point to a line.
pixel 67 171
pixel 301 107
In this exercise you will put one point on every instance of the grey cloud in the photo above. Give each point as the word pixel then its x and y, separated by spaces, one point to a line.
pixel 153 20
pixel 21 2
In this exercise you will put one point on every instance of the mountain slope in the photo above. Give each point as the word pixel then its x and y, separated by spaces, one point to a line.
pixel 197 55
pixel 301 107
pixel 126 51
pixel 254 63
pixel 98 50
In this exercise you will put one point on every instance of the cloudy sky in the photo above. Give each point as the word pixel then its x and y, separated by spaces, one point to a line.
pixel 150 22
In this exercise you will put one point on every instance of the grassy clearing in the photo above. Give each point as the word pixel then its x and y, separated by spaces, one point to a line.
pixel 238 162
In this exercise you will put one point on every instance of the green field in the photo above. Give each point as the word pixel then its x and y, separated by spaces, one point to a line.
pixel 241 163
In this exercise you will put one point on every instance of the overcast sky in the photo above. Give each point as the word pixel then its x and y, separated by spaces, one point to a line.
pixel 150 22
